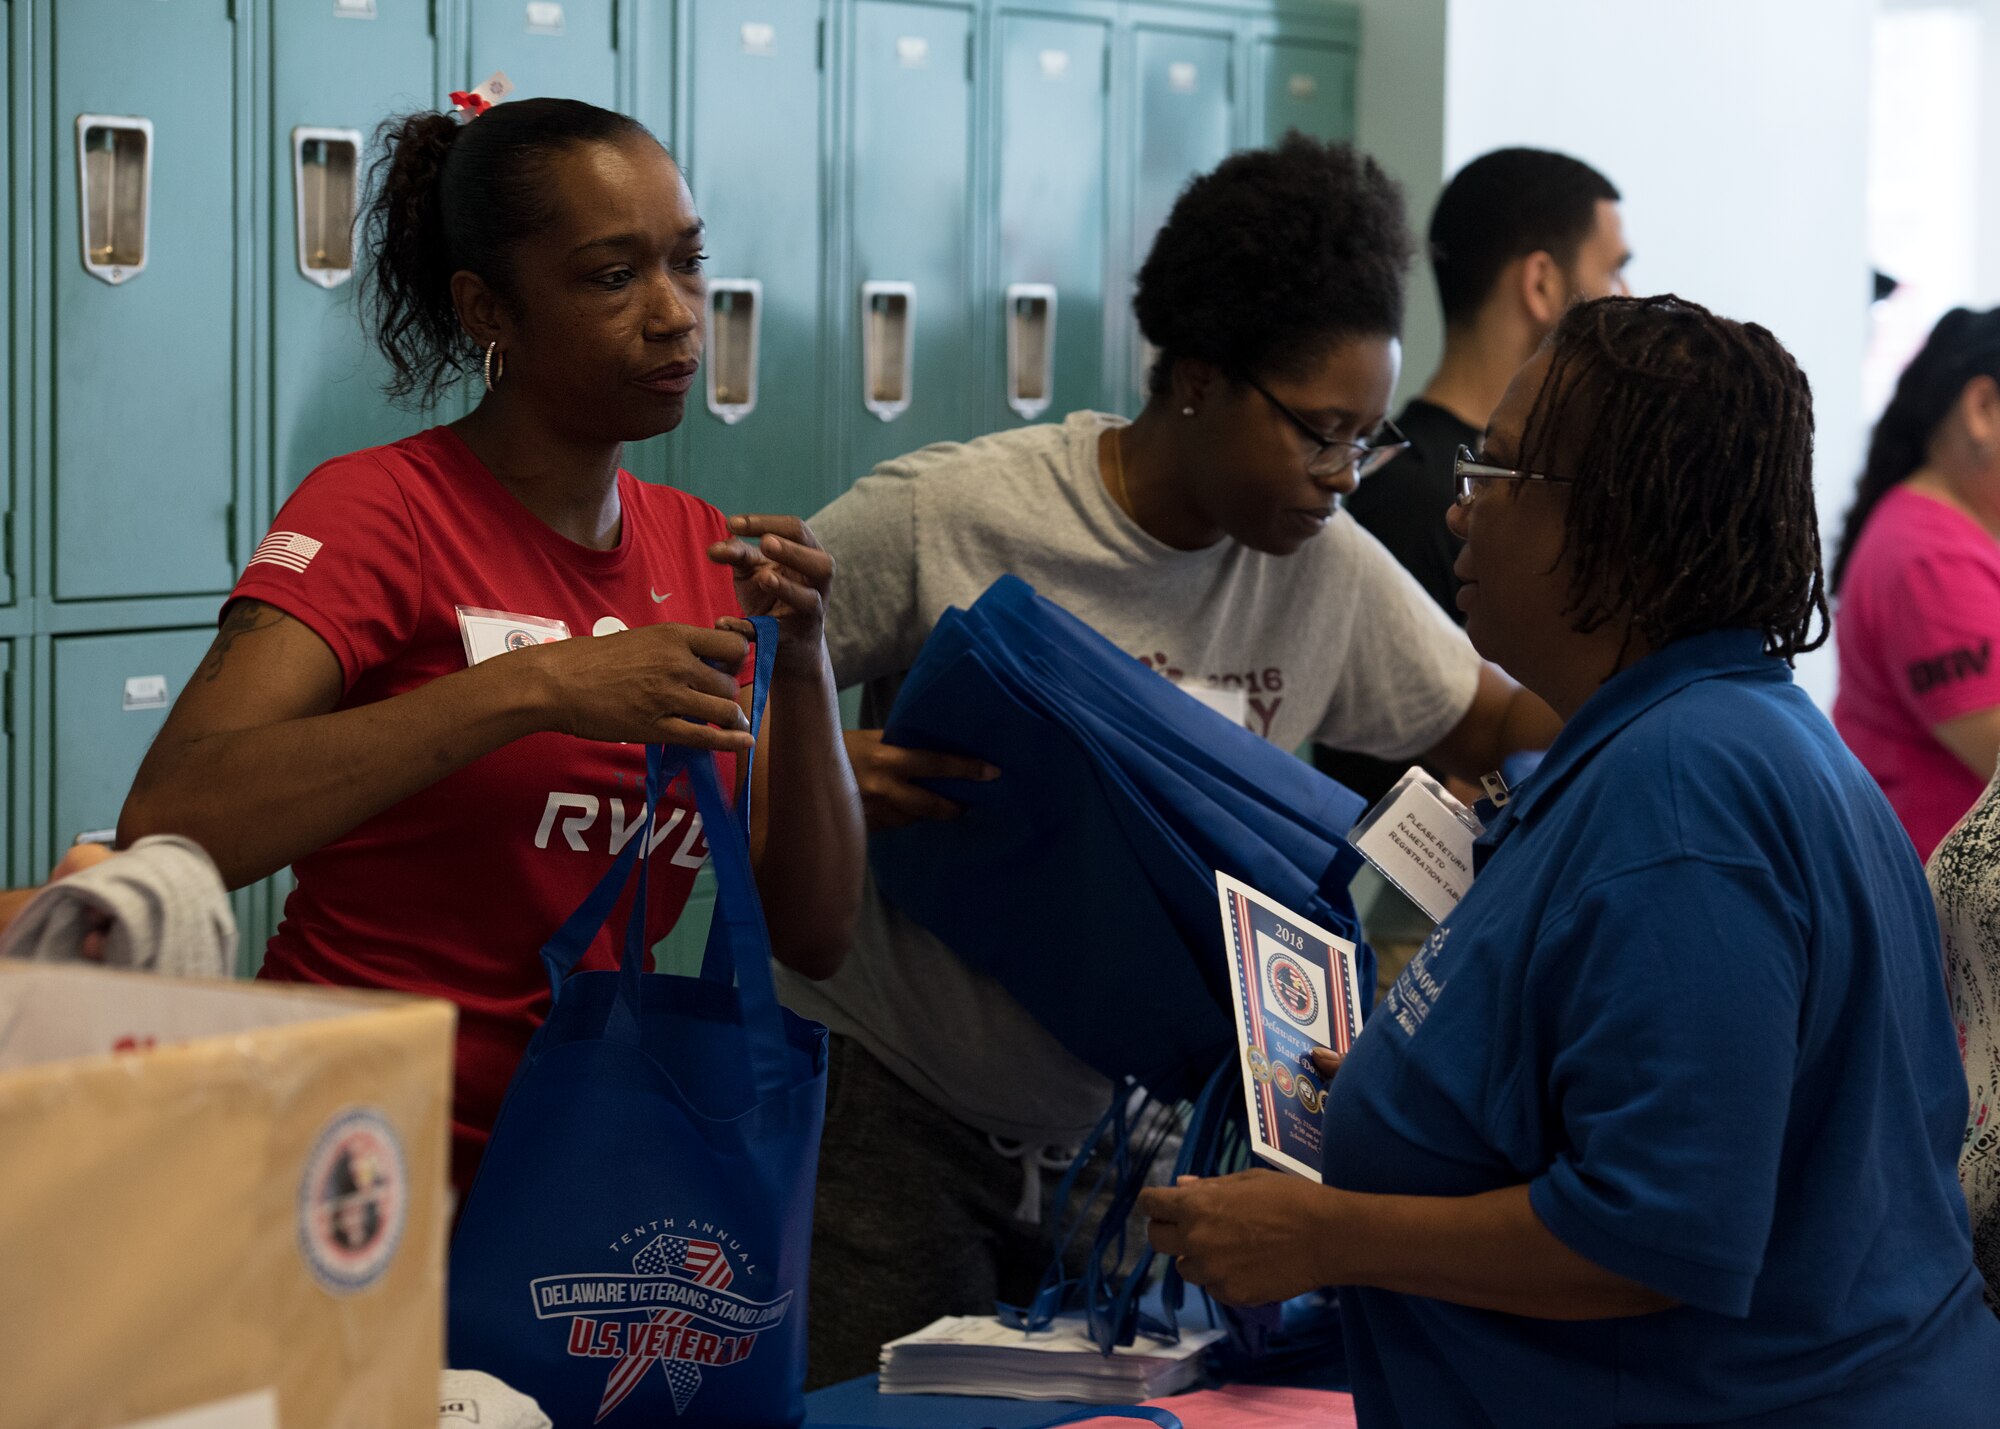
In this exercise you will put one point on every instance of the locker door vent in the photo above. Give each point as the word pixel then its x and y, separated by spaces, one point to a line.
pixel 888 347
pixel 326 184
pixel 735 315
pixel 114 171
pixel 1031 347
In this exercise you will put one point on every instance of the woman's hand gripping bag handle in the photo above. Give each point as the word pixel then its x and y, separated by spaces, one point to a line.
pixel 635 1247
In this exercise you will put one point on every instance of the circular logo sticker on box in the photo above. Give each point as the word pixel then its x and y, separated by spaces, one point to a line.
pixel 354 1200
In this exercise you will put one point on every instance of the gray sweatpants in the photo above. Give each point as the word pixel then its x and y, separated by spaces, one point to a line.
pixel 915 1219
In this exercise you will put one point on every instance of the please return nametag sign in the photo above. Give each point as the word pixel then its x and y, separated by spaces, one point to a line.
pixel 1420 838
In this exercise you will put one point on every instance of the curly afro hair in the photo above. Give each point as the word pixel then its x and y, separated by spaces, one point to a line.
pixel 1274 256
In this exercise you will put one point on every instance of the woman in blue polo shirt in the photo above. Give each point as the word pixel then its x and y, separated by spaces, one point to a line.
pixel 1661 1125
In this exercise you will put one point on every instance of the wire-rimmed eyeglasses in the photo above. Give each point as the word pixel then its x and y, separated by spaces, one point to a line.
pixel 1335 455
pixel 1469 470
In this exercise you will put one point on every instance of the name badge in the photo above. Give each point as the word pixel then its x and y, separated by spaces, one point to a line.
pixel 1420 838
pixel 1232 705
pixel 495 632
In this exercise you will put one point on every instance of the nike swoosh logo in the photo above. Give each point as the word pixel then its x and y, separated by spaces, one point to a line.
pixel 657 597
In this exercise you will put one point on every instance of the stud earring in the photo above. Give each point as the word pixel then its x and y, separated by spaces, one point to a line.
pixel 1187 411
pixel 494 365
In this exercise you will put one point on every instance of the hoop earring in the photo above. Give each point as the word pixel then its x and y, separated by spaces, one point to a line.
pixel 493 366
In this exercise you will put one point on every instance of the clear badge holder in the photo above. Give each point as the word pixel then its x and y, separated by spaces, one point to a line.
pixel 1419 838
pixel 488 633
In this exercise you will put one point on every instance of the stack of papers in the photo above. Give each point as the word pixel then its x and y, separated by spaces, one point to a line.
pixel 965 1354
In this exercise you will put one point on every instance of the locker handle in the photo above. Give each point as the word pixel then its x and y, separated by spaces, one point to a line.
pixel 735 317
pixel 114 175
pixel 326 188
pixel 888 347
pixel 1031 347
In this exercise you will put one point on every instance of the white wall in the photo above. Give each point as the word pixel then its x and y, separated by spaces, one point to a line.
pixel 1988 233
pixel 1738 132
pixel 1986 236
pixel 1401 122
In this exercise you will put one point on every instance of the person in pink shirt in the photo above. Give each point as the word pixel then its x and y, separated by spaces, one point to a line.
pixel 1918 580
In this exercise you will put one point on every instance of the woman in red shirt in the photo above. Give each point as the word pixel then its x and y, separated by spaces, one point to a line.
pixel 391 706
pixel 1918 575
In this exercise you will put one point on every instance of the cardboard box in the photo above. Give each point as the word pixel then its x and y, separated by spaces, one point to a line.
pixel 211 1192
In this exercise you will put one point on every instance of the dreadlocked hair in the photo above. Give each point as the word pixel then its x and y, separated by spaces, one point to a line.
pixel 1689 437
pixel 1963 345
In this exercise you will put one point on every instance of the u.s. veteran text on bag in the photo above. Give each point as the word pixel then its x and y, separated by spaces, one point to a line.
pixel 218 1193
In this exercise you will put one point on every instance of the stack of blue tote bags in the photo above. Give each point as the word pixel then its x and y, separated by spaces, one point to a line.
pixel 1083 879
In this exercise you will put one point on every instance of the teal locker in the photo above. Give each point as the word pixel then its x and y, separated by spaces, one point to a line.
pixel 143 385
pixel 1303 84
pixel 1054 117
pixel 10 873
pixel 913 371
pixel 110 695
pixel 1185 120
pixel 752 156
pixel 335 77
pixel 8 342
pixel 553 49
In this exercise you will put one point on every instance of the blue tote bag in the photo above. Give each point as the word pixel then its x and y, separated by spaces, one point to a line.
pixel 1119 798
pixel 1257 766
pixel 964 880
pixel 635 1247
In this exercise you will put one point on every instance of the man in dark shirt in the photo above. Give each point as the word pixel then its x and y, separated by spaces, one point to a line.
pixel 1517 236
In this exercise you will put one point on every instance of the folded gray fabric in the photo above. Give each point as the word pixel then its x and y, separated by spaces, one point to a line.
pixel 468 1396
pixel 165 904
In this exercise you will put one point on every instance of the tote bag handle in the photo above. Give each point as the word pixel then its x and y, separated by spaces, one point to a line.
pixel 739 945
pixel 718 962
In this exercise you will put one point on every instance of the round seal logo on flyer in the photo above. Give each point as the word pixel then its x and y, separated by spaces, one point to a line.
pixel 1292 990
pixel 354 1200
pixel 520 640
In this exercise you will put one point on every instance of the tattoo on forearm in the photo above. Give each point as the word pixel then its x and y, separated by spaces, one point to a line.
pixel 243 618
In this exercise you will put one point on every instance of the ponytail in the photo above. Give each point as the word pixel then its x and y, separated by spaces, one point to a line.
pixel 1963 345
pixel 408 278
pixel 448 197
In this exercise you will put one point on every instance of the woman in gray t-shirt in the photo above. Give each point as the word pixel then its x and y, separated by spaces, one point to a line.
pixel 1207 539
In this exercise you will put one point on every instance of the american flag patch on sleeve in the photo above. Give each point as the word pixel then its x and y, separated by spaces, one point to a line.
pixel 285 548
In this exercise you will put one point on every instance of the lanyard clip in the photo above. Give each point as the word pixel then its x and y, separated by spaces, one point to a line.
pixel 1497 795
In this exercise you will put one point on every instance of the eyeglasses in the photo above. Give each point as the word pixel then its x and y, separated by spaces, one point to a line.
pixel 1334 456
pixel 1469 469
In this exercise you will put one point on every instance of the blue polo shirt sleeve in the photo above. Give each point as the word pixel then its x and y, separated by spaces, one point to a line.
pixel 1672 995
